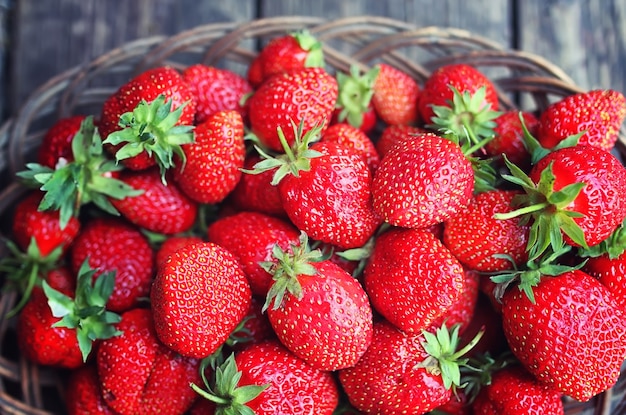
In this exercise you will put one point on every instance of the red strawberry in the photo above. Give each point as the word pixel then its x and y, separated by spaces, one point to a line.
pixel 475 237
pixel 160 208
pixel 422 181
pixel 292 51
pixel 354 102
pixel 305 96
pixel 255 329
pixel 597 114
pixel 317 310
pixel 251 236
pixel 352 137
pixel 172 244
pixel 462 311
pixel 147 119
pixel 215 89
pixel 112 244
pixel 513 390
pixel 394 133
pixel 509 137
pixel 580 360
pixel 214 161
pixel 139 375
pixel 611 272
pixel 438 90
pixel 83 393
pixel 395 96
pixel 57 142
pixel 414 269
pixel 196 325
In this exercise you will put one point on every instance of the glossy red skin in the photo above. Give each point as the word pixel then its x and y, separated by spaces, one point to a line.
pixel 463 77
pixel 139 375
pixel 462 311
pixel 254 192
pixel 515 391
pixel 57 142
pixel 422 181
pixel 161 208
pixel 251 236
pixel 509 137
pixel 304 95
pixel 352 137
pixel 295 387
pixel 457 405
pixel 83 393
pixel 388 379
pixel 257 326
pixel 331 202
pixel 196 325
pixel 330 326
pixel 146 86
pixel 394 133
pixel 602 201
pixel 395 96
pixel 611 272
pixel 215 89
pixel 114 244
pixel 418 272
pixel 573 338
pixel 281 54
pixel 214 161
pixel 474 236
pixel 173 244
pixel 29 222
pixel 367 123
pixel 599 113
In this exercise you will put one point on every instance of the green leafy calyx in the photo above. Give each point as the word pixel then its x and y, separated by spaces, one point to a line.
pixel 309 43
pixel 355 94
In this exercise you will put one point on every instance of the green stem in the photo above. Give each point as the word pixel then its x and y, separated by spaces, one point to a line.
pixel 469 346
pixel 32 279
pixel 206 395
pixel 522 211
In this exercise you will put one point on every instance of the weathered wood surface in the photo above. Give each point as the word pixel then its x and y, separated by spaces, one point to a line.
pixel 39 39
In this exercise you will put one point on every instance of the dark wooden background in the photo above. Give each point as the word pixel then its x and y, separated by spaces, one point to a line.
pixel 40 38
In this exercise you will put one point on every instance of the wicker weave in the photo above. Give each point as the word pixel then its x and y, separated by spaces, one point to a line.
pixel 523 81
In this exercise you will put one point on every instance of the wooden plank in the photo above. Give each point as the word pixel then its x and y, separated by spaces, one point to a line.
pixel 54 35
pixel 5 6
pixel 587 38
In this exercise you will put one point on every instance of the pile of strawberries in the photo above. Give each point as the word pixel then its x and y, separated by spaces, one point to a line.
pixel 298 241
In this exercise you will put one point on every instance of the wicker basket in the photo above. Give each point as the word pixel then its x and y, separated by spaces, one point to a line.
pixel 524 81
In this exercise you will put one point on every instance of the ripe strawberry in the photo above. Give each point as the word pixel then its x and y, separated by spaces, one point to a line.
pixel 509 137
pixel 196 325
pixel 611 272
pixel 438 88
pixel 302 308
pixel 579 360
pixel 422 181
pixel 112 244
pixel 305 96
pixel 352 137
pixel 418 273
pixel 215 89
pixel 401 373
pixel 251 236
pixel 267 379
pixel 139 375
pixel 214 161
pixel 354 102
pixel 172 244
pixel 256 327
pixel 394 133
pixel 57 142
pixel 160 208
pixel 83 393
pixel 395 96
pixel 597 114
pixel 462 311
pixel 147 119
pixel 295 50
pixel 513 390
pixel 475 237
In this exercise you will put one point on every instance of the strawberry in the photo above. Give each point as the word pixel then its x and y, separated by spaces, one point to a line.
pixel 112 244
pixel 215 89
pixel 147 119
pixel 211 166
pixel 305 96
pixel 256 327
pixel 251 236
pixel 439 88
pixel 509 137
pixel 422 181
pixel 513 390
pixel 354 138
pixel 196 325
pixel 57 142
pixel 597 115
pixel 418 272
pixel 394 133
pixel 160 208
pixel 395 96
pixel 172 244
pixel 579 360
pixel 325 190
pixel 295 50
pixel 462 311
pixel 302 308
pixel 487 319
pixel 402 373
pixel 139 375
pixel 611 272
pixel 478 240
pixel 354 102
pixel 83 393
